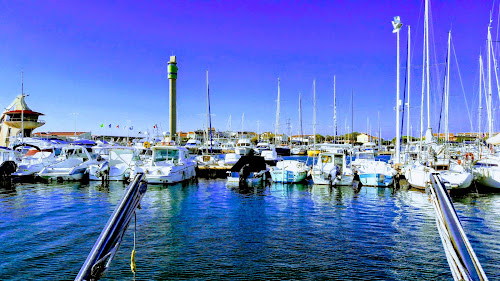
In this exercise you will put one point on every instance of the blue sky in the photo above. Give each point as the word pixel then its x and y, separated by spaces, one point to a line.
pixel 107 61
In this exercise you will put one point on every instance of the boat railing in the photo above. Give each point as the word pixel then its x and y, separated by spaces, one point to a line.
pixel 106 246
pixel 461 258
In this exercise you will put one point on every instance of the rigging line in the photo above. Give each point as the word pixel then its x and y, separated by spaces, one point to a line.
pixel 414 43
pixel 495 64
pixel 404 99
pixel 442 96
pixel 462 84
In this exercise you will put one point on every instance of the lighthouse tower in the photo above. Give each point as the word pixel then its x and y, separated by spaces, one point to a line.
pixel 18 120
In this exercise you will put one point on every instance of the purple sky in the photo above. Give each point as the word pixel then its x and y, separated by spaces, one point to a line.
pixel 106 60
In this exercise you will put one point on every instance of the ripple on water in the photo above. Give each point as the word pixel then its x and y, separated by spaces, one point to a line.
pixel 206 231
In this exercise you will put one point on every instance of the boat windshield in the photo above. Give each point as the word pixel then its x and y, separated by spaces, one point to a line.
pixel 367 156
pixel 326 159
pixel 166 154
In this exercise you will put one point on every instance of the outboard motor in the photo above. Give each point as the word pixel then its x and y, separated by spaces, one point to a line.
pixel 7 168
pixel 244 174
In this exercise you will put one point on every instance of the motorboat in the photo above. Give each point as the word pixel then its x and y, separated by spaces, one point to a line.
pixel 282 150
pixel 33 162
pixel 8 162
pixel 168 164
pixel 331 168
pixel 243 147
pixel 271 156
pixel 227 147
pixel 289 171
pixel 372 172
pixel 117 167
pixel 298 150
pixel 71 165
pixel 193 146
pixel 261 146
pixel 230 159
pixel 248 170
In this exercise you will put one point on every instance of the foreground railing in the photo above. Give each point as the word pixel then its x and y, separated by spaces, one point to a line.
pixel 463 262
pixel 106 246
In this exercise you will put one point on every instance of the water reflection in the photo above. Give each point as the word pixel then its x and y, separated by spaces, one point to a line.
pixel 208 230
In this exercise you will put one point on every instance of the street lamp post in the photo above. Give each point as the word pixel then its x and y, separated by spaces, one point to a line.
pixel 396 23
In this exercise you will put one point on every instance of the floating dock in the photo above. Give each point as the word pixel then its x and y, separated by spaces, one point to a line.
pixel 212 171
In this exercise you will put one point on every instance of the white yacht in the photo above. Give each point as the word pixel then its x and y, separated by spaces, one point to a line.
pixel 454 175
pixel 227 147
pixel 289 171
pixel 117 167
pixel 331 168
pixel 243 147
pixel 168 164
pixel 193 146
pixel 33 162
pixel 372 172
pixel 487 171
pixel 71 165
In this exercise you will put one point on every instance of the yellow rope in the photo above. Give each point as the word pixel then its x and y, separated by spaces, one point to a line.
pixel 132 257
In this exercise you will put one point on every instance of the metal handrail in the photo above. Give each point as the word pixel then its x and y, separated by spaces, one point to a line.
pixel 463 262
pixel 25 120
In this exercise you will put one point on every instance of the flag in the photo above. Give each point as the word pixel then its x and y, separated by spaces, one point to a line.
pixel 118 126
pixel 102 125
pixel 110 125
pixel 131 128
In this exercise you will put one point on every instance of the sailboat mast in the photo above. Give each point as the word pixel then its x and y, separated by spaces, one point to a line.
pixel 490 117
pixel 397 25
pixel 334 113
pixel 277 124
pixel 480 93
pixel 427 64
pixel 22 107
pixel 408 90
pixel 300 118
pixel 314 111
pixel 447 93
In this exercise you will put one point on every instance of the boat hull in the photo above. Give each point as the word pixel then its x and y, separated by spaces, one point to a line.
pixel 285 176
pixel 376 179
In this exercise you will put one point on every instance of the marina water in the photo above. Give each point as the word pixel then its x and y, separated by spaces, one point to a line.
pixel 205 230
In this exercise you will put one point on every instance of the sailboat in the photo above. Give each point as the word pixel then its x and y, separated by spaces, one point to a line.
pixel 487 169
pixel 285 171
pixel 418 173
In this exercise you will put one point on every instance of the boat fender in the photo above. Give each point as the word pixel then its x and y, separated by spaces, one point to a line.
pixel 469 155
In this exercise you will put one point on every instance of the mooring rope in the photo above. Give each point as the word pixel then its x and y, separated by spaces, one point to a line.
pixel 132 256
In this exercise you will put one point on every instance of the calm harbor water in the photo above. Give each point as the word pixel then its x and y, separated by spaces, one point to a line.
pixel 206 231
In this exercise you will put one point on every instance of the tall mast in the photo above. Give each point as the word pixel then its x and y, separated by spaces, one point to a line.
pixel 408 90
pixel 490 117
pixel 422 99
pixel 22 107
pixel 427 65
pixel 480 92
pixel 242 122
pixel 334 113
pixel 397 26
pixel 277 124
pixel 447 93
pixel 209 130
pixel 300 118
pixel 209 118
pixel 314 111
